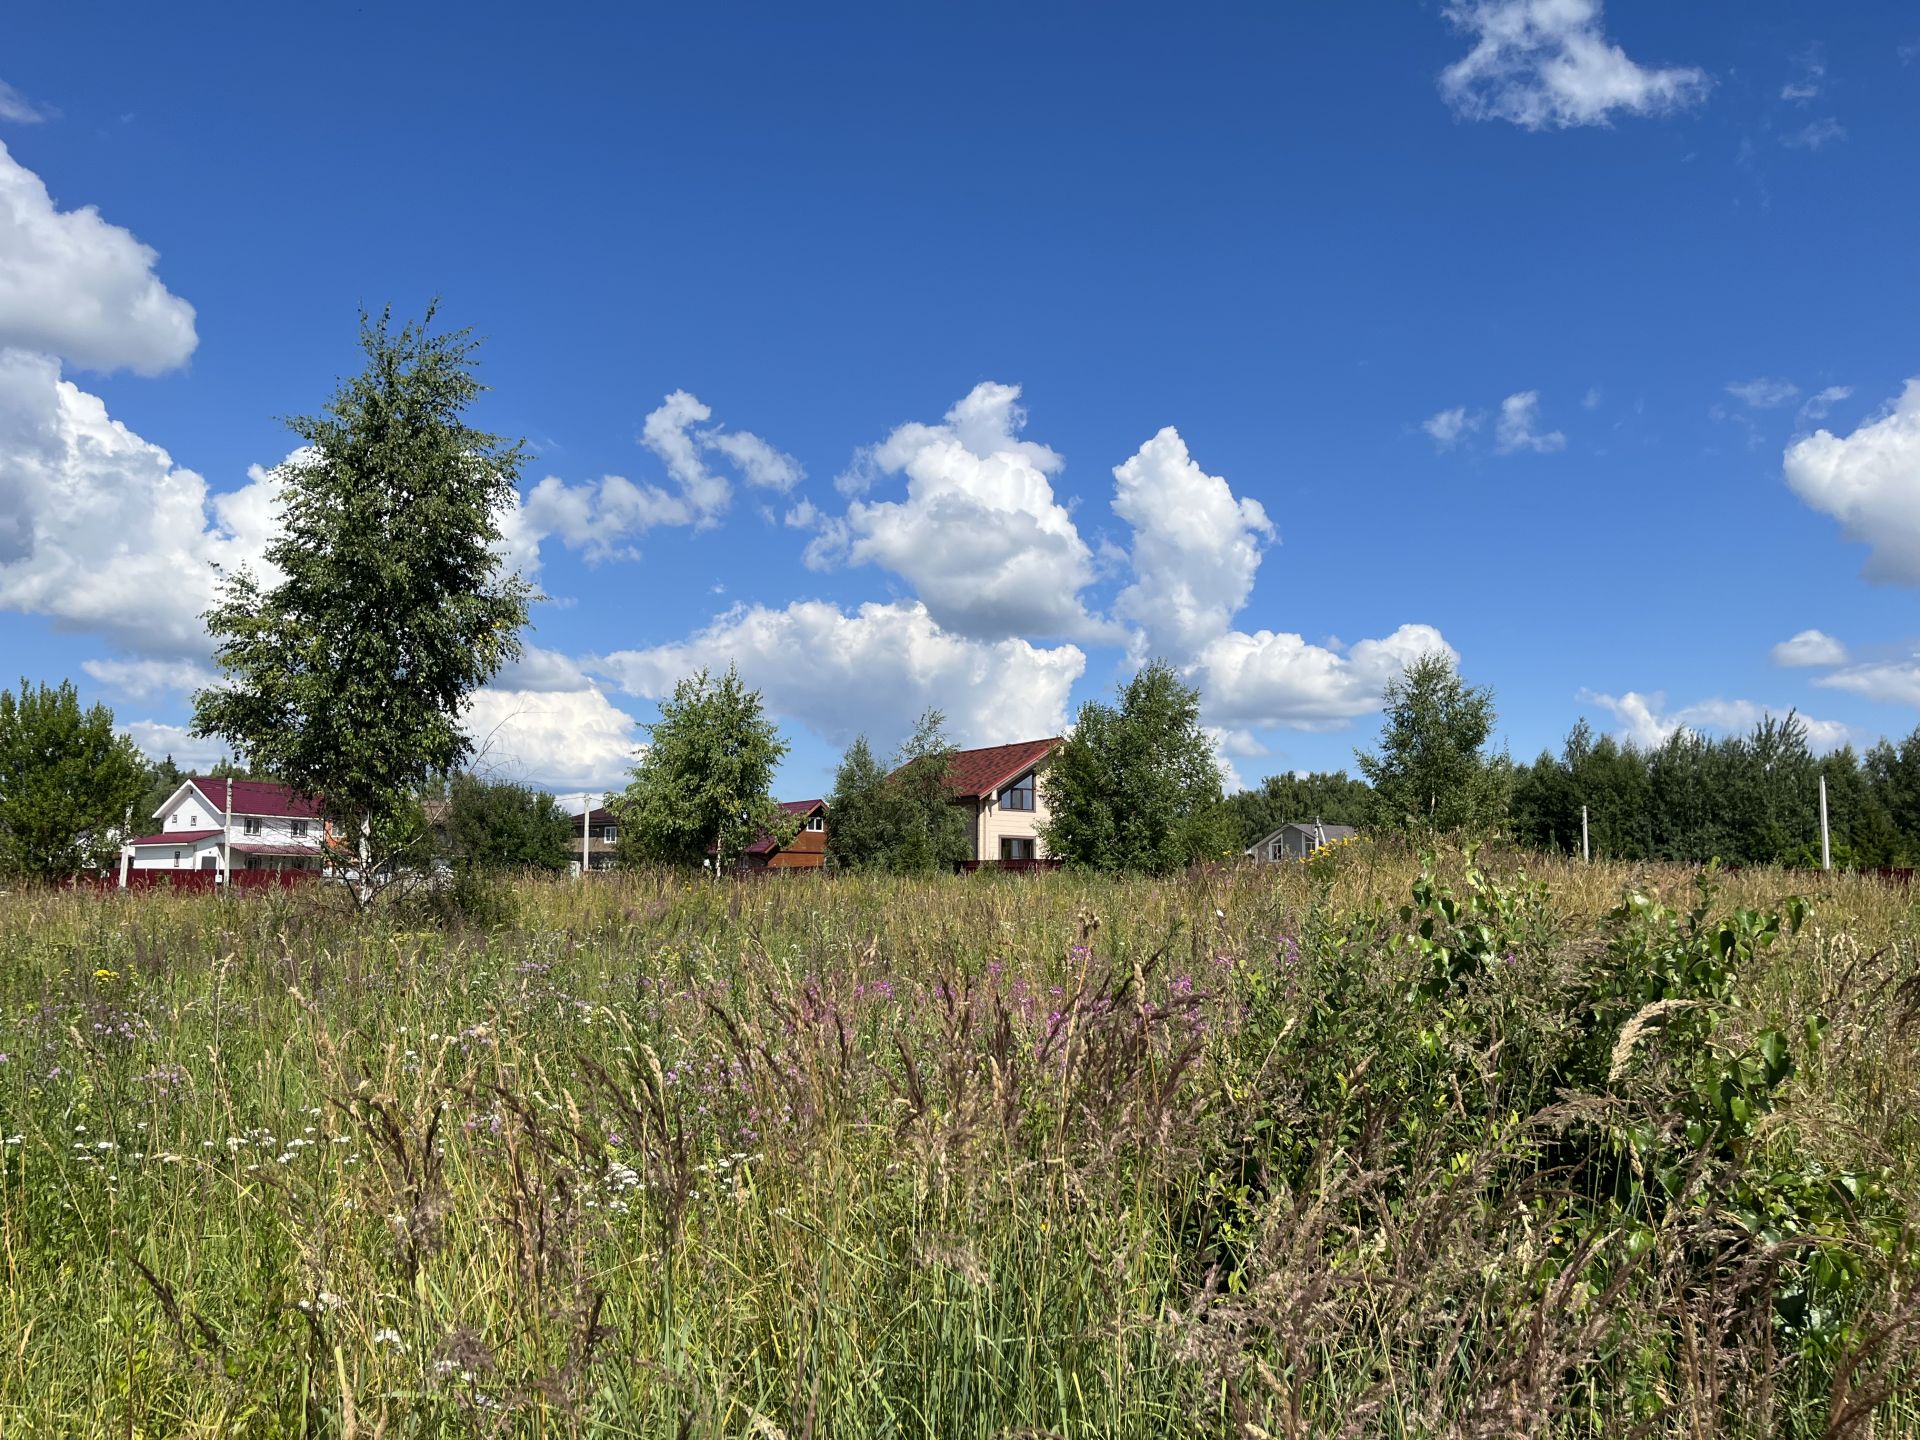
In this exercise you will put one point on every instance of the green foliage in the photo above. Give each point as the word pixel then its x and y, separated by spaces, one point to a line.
pixel 1748 799
pixel 497 825
pixel 928 831
pixel 346 678
pixel 1892 774
pixel 858 837
pixel 1137 787
pixel 1091 1156
pixel 163 778
pixel 69 784
pixel 1335 799
pixel 704 786
pixel 904 821
pixel 1432 772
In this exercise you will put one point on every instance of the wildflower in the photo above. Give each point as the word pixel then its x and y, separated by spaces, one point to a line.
pixel 391 1337
pixel 106 974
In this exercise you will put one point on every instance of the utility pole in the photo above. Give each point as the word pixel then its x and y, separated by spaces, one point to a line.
pixel 1826 847
pixel 1586 854
pixel 586 829
pixel 226 840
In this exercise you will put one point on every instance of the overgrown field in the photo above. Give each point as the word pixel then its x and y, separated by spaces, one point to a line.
pixel 1337 1149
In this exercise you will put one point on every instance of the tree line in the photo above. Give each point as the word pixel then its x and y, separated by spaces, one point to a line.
pixel 346 680
pixel 1746 799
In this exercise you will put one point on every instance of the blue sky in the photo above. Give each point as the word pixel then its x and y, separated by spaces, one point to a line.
pixel 965 356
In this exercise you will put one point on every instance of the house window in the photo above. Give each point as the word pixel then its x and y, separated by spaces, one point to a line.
pixel 299 828
pixel 1275 850
pixel 193 820
pixel 176 859
pixel 610 833
pixel 817 824
pixel 251 825
pixel 1018 795
pixel 1016 847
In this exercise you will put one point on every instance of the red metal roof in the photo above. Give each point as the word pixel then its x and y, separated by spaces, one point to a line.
pixel 254 797
pixel 803 808
pixel 981 772
pixel 175 837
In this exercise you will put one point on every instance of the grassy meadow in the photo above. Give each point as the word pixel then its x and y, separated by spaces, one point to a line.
pixel 1327 1149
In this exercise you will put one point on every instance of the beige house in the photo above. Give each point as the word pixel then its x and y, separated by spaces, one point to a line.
pixel 999 786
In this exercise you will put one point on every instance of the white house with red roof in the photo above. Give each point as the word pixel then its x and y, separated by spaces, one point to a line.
pixel 226 825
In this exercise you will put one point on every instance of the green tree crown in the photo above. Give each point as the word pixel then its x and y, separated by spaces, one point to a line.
pixel 1137 786
pixel 703 788
pixel 69 783
pixel 347 676
pixel 1432 771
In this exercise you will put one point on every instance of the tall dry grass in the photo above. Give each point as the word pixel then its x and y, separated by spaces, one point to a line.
pixel 983 1156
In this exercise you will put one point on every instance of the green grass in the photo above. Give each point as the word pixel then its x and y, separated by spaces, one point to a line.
pixel 978 1157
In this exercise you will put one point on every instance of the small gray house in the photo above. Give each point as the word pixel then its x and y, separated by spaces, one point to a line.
pixel 1297 840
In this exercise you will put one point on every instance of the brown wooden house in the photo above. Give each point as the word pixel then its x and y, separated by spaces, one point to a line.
pixel 596 839
pixel 807 850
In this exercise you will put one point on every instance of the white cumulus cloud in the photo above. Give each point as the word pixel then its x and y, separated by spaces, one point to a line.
pixel 870 671
pixel 558 739
pixel 1819 405
pixel 602 517
pixel 1810 647
pixel 1449 427
pixel 145 679
pixel 76 287
pixel 1646 721
pixel 1870 482
pixel 1195 546
pixel 159 739
pixel 1519 427
pixel 1815 136
pixel 757 461
pixel 980 536
pixel 1547 64
pixel 1271 678
pixel 1891 682
pixel 1764 393
pixel 18 109
pixel 100 530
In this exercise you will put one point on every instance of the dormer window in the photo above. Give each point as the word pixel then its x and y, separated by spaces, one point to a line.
pixel 817 824
pixel 1018 795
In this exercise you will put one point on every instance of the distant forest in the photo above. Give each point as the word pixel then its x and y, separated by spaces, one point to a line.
pixel 1743 799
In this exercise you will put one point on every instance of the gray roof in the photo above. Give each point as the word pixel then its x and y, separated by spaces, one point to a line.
pixel 1308 827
